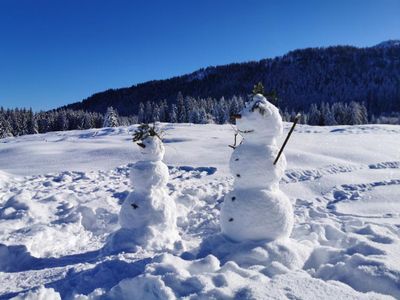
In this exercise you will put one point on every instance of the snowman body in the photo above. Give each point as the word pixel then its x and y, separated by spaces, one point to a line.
pixel 256 209
pixel 148 214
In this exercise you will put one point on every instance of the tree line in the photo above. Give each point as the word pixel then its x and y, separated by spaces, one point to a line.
pixel 326 114
pixel 16 122
pixel 187 109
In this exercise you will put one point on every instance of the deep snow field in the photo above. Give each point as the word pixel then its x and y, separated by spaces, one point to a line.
pixel 60 195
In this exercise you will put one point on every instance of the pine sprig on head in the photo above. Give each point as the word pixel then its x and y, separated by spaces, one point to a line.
pixel 144 131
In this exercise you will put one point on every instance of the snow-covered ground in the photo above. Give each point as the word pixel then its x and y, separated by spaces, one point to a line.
pixel 60 195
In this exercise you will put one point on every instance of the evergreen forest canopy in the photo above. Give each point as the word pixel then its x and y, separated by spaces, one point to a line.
pixel 15 122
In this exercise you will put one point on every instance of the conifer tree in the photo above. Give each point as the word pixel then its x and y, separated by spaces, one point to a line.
pixel 111 118
pixel 156 113
pixel 148 112
pixel 173 114
pixel 32 125
pixel 181 109
pixel 141 114
pixel 314 115
pixel 5 128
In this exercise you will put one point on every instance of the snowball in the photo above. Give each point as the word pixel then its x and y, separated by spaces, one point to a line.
pixel 153 149
pixel 146 175
pixel 260 121
pixel 140 210
pixel 256 215
pixel 252 166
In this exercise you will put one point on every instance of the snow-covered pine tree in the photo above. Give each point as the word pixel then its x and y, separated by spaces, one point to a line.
pixel 141 113
pixel 15 121
pixel 32 125
pixel 181 109
pixel 148 112
pixel 23 122
pixel 364 114
pixel 155 116
pixel 163 108
pixel 303 118
pixel 194 116
pixel 327 115
pixel 293 116
pixel 222 112
pixel 203 117
pixel 5 128
pixel 87 121
pixel 286 115
pixel 357 114
pixel 173 114
pixel 98 120
pixel 347 114
pixel 111 118
pixel 233 106
pixel 337 110
pixel 62 122
pixel 314 115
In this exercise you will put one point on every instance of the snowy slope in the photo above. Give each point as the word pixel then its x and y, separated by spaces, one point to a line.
pixel 60 194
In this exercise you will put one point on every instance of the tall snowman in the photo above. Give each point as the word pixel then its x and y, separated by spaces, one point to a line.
pixel 148 215
pixel 256 209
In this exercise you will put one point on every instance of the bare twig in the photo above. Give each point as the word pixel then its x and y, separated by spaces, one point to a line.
pixel 144 131
pixel 235 140
pixel 287 138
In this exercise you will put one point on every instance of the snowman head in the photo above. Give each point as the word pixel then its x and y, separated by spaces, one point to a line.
pixel 149 140
pixel 259 119
pixel 152 148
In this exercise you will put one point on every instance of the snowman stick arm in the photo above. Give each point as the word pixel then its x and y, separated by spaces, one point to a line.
pixel 287 138
pixel 234 143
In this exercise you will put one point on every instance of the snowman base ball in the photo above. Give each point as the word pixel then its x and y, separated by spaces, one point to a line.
pixel 154 209
pixel 256 215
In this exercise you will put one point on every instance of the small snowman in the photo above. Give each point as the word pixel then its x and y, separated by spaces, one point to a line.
pixel 148 214
pixel 256 209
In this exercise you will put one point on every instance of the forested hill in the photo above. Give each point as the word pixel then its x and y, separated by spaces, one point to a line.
pixel 301 77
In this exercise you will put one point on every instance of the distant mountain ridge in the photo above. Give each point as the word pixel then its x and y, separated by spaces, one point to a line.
pixel 388 44
pixel 300 77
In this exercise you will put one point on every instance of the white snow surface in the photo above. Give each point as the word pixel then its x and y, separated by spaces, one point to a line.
pixel 61 193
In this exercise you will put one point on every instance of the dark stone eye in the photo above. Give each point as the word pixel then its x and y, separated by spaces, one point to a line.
pixel 134 205
pixel 231 219
pixel 236 159
pixel 237 175
pixel 233 198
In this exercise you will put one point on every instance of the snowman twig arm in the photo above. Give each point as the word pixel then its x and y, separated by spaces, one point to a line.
pixel 245 131
pixel 287 138
pixel 234 142
pixel 237 132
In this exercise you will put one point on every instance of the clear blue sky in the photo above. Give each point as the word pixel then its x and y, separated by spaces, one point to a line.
pixel 55 52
